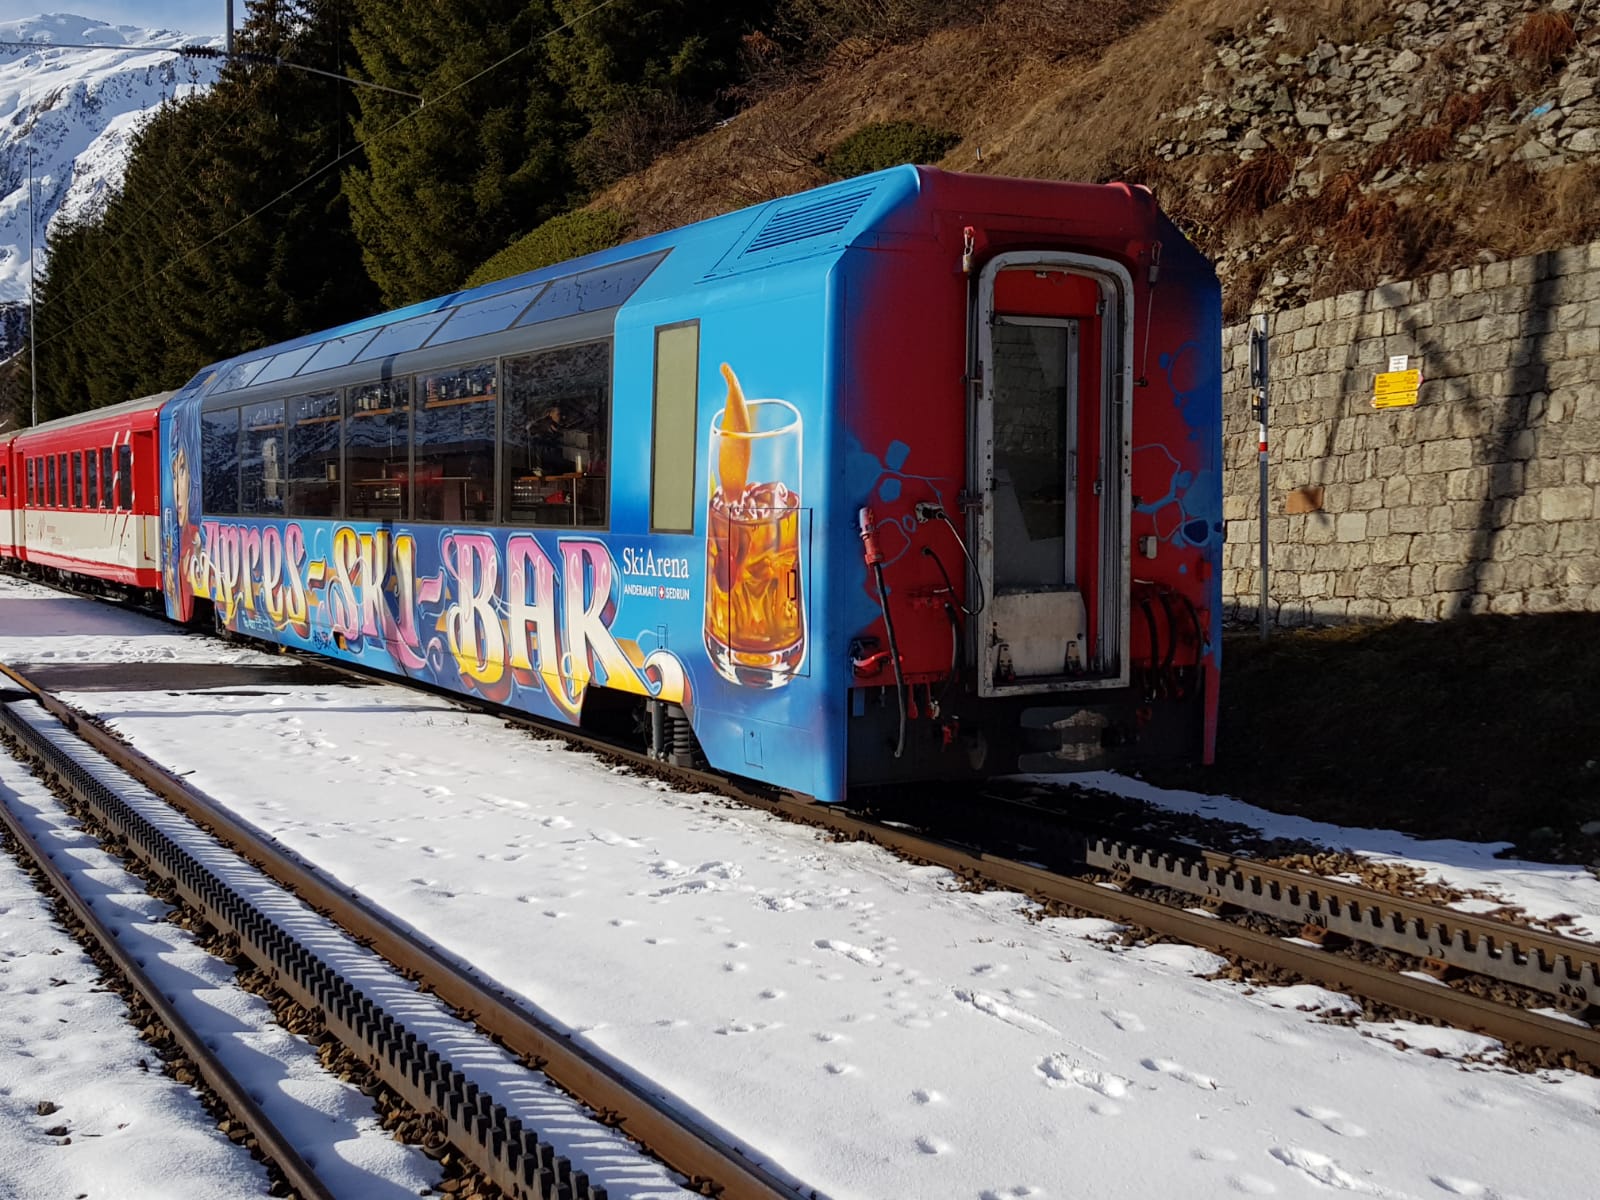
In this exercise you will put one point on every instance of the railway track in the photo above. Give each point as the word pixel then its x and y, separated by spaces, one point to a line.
pixel 395 1029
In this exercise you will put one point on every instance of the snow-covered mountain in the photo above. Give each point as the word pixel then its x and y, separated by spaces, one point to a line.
pixel 77 110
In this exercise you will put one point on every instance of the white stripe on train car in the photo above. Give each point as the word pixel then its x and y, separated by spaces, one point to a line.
pixel 91 540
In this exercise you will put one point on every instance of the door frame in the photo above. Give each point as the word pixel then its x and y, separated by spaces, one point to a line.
pixel 1111 644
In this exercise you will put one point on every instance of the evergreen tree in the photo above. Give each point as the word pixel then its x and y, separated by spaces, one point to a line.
pixel 644 74
pixel 449 183
pixel 202 254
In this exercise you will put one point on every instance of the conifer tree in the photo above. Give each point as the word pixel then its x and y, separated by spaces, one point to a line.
pixel 448 183
pixel 644 74
pixel 209 248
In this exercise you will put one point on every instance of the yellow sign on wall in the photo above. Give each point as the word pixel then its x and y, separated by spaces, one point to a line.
pixel 1396 389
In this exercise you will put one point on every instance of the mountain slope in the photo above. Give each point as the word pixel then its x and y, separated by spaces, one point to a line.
pixel 1307 147
pixel 75 112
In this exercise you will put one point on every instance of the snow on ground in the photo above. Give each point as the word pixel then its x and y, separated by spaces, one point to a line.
pixel 858 1022
pixel 159 1142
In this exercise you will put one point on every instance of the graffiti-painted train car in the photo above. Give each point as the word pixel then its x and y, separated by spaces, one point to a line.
pixel 915 476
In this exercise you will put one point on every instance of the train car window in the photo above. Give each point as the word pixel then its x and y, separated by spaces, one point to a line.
pixel 65 493
pixel 377 449
pixel 262 460
pixel 402 336
pixel 77 479
pixel 672 446
pixel 50 480
pixel 590 291
pixel 33 491
pixel 489 315
pixel 313 475
pixel 219 462
pixel 125 477
pixel 91 489
pixel 558 413
pixel 105 477
pixel 453 447
pixel 336 352
pixel 4 481
pixel 285 364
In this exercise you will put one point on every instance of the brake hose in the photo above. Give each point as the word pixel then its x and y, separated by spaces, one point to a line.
pixel 874 558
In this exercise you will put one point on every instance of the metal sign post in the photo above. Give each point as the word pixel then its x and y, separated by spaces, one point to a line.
pixel 1258 386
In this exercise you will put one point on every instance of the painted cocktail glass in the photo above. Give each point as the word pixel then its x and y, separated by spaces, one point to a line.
pixel 755 613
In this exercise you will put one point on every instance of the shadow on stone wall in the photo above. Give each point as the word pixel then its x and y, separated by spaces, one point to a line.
pixel 1484 728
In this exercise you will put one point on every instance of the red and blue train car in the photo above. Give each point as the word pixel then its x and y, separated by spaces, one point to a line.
pixel 915 476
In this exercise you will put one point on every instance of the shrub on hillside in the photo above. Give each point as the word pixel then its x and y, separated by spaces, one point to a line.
pixel 1543 39
pixel 570 235
pixel 888 144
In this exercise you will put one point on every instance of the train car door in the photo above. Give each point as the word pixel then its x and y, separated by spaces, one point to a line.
pixel 1051 464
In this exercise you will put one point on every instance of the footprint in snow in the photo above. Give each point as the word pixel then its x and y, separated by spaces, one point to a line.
pixel 1460 1187
pixel 1181 1073
pixel 1252 1185
pixel 1332 1120
pixel 772 994
pixel 1020 1192
pixel 435 790
pixel 1060 1071
pixel 1214 1154
pixel 926 1096
pixel 858 954
pixel 839 1068
pixel 1319 1168
pixel 1126 1021
pixel 730 1028
pixel 930 1145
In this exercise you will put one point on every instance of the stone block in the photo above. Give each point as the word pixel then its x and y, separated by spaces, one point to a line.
pixel 1366 494
pixel 1543 600
pixel 1458 577
pixel 1391 550
pixel 1462 281
pixel 1496 274
pixel 1568 260
pixel 1446 454
pixel 1377 524
pixel 1572 468
pixel 1567 503
pixel 1336 333
pixel 1388 461
pixel 1391 295
pixel 1304 338
pixel 1580 342
pixel 1507 603
pixel 1319 529
pixel 1349 304
pixel 1468 483
pixel 1443 547
pixel 1350 527
pixel 1583 571
pixel 1425 489
pixel 1366 608
pixel 1332 557
pixel 1543 472
pixel 1467 514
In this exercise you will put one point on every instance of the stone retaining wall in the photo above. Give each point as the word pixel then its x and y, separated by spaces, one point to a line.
pixel 1484 497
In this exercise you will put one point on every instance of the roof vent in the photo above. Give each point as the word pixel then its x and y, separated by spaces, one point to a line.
pixel 803 221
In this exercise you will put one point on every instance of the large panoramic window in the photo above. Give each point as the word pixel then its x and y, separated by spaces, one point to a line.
pixel 219 457
pixel 377 450
pixel 313 475
pixel 453 450
pixel 261 460
pixel 557 421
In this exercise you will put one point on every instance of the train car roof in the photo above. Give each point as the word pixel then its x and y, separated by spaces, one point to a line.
pixel 124 408
pixel 825 221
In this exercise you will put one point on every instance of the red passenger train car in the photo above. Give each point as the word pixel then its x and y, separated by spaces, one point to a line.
pixel 81 496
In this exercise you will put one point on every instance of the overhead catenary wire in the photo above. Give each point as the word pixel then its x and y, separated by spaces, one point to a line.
pixel 322 170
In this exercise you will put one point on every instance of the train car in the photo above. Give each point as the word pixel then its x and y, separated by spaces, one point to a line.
pixel 10 505
pixel 87 496
pixel 915 476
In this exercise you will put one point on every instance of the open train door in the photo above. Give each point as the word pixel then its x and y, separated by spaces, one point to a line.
pixel 1051 417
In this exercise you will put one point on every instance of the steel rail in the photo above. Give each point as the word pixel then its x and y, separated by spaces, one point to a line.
pixel 698 1152
pixel 1337 972
pixel 1564 968
pixel 273 1144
